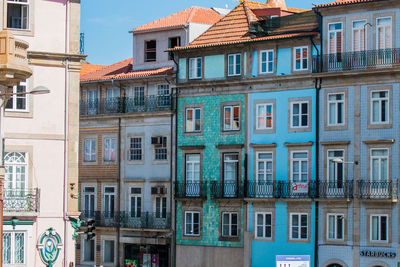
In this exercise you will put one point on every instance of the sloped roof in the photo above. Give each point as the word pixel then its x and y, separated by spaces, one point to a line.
pixel 344 2
pixel 88 68
pixel 194 14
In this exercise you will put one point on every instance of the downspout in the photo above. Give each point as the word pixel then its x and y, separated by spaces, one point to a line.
pixel 119 192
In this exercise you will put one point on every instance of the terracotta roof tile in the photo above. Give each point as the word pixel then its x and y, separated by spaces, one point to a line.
pixel 194 14
pixel 344 2
pixel 88 68
pixel 144 73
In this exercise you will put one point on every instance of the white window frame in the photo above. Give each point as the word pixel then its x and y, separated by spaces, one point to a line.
pixel 265 116
pixel 193 164
pixel 91 139
pixel 161 207
pixel 83 238
pixel 27 3
pixel 301 58
pixel 379 226
pixel 141 149
pixel 299 226
pixel 336 216
pixel 164 88
pixel 335 32
pixel 266 172
pixel 12 250
pixel 195 72
pixel 234 64
pixel 230 224
pixel 15 96
pixel 300 114
pixel 267 62
pixel 14 166
pixel 300 160
pixel 380 101
pixel 193 120
pixel 328 160
pixel 264 225
pixel 357 31
pixel 104 186
pixel 83 194
pixel 380 165
pixel 110 139
pixel 136 196
pixel 336 103
pixel 232 108
pixel 192 224
pixel 105 238
pixel 384 26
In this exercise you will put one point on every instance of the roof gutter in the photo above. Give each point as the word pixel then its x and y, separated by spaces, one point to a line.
pixel 124 79
pixel 159 29
pixel 346 4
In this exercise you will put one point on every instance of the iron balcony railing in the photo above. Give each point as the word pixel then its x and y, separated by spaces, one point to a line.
pixel 378 190
pixel 334 190
pixel 227 189
pixel 191 190
pixel 296 190
pixel 369 59
pixel 126 105
pixel 17 200
pixel 262 189
pixel 133 220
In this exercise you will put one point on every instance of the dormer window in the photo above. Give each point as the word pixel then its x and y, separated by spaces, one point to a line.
pixel 150 52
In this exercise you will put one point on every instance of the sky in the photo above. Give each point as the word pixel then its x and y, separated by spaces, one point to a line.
pixel 106 23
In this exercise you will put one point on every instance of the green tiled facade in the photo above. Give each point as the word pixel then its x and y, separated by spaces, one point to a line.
pixel 211 137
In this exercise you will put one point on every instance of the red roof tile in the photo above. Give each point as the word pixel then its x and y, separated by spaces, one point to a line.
pixel 344 2
pixel 88 68
pixel 194 14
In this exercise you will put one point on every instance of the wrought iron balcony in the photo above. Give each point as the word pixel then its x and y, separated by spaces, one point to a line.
pixel 133 220
pixel 334 190
pixel 262 189
pixel 17 200
pixel 369 59
pixel 227 189
pixel 191 190
pixel 126 105
pixel 296 190
pixel 378 190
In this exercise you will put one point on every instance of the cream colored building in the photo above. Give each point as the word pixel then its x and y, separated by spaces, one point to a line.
pixel 41 132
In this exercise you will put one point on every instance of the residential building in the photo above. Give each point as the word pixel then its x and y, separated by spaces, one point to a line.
pixel 40 132
pixel 127 145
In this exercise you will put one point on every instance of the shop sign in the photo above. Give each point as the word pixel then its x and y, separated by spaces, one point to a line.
pixel 377 254
pixel 300 188
pixel 293 260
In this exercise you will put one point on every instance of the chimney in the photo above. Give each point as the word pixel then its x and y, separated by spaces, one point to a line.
pixel 277 3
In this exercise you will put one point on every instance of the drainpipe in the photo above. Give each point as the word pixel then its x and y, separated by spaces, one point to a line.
pixel 119 192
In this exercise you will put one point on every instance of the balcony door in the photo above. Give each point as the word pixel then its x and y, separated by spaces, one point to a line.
pixel 109 201
pixel 192 185
pixel 136 99
pixel 230 174
pixel 89 201
pixel 112 100
pixel 335 46
pixel 15 182
pixel 379 179
pixel 384 41
pixel 335 174
pixel 264 179
pixel 92 101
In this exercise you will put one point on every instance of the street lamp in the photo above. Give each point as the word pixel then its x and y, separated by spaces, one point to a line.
pixel 339 160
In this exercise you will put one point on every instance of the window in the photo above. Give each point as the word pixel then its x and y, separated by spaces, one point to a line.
pixel 92 104
pixel 335 172
pixel 231 169
pixel 89 251
pixel 299 114
pixel 298 226
pixel 263 225
pixel 192 168
pixel 336 109
pixel 163 89
pixel 230 224
pixel 231 118
pixel 135 149
pixel 112 103
pixel 264 116
pixel 160 150
pixel 90 150
pixel 299 166
pixel 335 32
pixel 136 202
pixel 264 166
pixel 150 53
pixel 161 207
pixel 172 43
pixel 379 228
pixel 195 68
pixel 135 97
pixel 193 120
pixel 335 227
pixel 379 107
pixel 16 170
pixel 18 14
pixel 384 33
pixel 266 61
pixel 14 252
pixel 192 223
pixel 301 58
pixel 89 200
pixel 234 64
pixel 109 201
pixel 110 152
pixel 18 102
pixel 359 36
pixel 108 251
pixel 379 167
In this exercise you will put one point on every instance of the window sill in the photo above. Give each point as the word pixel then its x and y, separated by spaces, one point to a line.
pixel 18 113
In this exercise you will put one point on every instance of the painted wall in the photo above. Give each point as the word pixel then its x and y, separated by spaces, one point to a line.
pixel 214 67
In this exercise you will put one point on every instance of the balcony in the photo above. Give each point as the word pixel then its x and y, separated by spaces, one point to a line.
pixel 21 201
pixel 13 59
pixel 118 105
pixel 362 60
pixel 334 190
pixel 220 190
pixel 144 220
pixel 378 190
pixel 262 189
pixel 191 190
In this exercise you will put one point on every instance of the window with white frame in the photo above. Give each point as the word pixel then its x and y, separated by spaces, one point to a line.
pixel 192 223
pixel 263 225
pixel 230 223
pixel 359 35
pixel 108 251
pixel 384 33
pixel 135 152
pixel 163 89
pixel 234 64
pixel 335 171
pixel 14 248
pixel 379 166
pixel 264 116
pixel 300 58
pixel 299 114
pixel 160 150
pixel 231 118
pixel 264 167
pixel 336 113
pixel 192 168
pixel 89 200
pixel 92 104
pixel 89 250
pixel 335 32
pixel 90 149
pixel 298 226
pixel 18 14
pixel 135 202
pixel 380 107
pixel 135 96
pixel 112 95
pixel 299 166
pixel 335 227
pixel 109 201
pixel 16 170
pixel 161 207
pixel 266 61
pixel 195 68
pixel 110 148
pixel 18 101
pixel 379 228
pixel 193 120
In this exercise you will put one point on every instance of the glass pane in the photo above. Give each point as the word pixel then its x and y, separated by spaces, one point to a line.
pixel 108 251
pixel 375 228
pixel 383 228
pixel 19 248
pixel 7 248
pixel 340 227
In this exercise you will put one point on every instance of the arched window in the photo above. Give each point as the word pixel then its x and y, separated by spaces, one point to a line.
pixel 15 170
pixel 335 265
